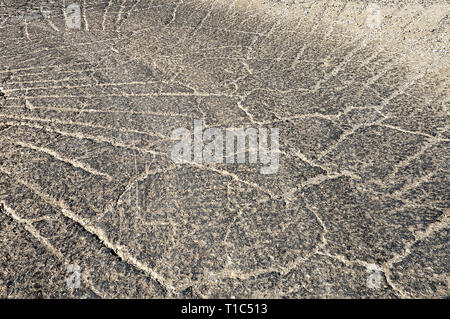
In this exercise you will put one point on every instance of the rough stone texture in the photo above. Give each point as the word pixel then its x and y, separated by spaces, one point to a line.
pixel 359 91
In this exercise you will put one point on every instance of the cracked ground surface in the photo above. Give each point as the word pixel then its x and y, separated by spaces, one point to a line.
pixel 358 90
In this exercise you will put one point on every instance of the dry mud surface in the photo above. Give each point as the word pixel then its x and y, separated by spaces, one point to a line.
pixel 359 207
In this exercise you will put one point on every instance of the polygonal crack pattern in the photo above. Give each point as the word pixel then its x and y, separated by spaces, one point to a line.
pixel 86 177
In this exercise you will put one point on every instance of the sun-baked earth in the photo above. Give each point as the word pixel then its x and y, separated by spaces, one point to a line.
pixel 359 207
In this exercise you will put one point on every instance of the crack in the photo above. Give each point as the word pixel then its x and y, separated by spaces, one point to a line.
pixel 59 157
pixel 441 223
pixel 174 13
pixel 28 226
pixel 322 250
pixel 99 235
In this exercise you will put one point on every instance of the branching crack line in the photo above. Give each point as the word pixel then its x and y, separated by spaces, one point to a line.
pixel 28 225
pixel 121 251
pixel 442 223
pixel 66 160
